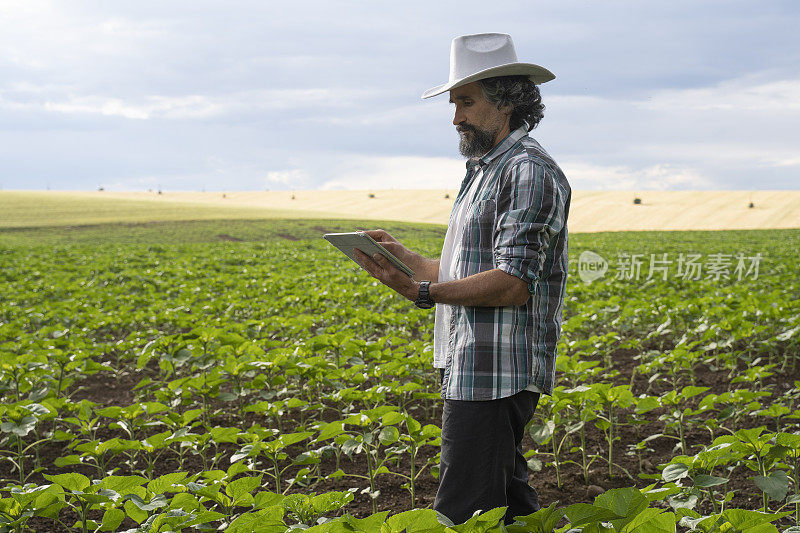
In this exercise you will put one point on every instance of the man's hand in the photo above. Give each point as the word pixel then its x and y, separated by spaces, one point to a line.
pixel 384 271
pixel 424 268
pixel 391 244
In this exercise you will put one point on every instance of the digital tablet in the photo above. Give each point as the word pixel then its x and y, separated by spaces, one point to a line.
pixel 346 242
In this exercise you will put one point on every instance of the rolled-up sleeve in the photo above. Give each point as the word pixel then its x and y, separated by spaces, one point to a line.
pixel 530 211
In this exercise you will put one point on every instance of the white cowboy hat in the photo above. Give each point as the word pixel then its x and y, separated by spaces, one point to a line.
pixel 485 55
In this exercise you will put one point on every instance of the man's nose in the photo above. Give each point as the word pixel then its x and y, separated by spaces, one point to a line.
pixel 457 118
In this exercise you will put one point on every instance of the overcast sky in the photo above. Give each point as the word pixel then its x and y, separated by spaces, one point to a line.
pixel 234 95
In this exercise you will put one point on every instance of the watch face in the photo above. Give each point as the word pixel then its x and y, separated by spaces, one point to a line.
pixel 424 304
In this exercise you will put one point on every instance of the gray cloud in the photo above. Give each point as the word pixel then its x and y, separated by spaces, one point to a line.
pixel 245 95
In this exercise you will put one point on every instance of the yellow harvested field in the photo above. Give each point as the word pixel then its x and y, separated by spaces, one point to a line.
pixel 31 209
pixel 396 204
pixel 591 211
pixel 683 210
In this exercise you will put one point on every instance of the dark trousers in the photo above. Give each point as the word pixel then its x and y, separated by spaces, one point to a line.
pixel 482 466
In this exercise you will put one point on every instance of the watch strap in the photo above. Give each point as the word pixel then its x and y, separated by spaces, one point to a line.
pixel 424 300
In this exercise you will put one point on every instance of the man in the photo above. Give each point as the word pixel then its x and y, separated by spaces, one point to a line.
pixel 499 283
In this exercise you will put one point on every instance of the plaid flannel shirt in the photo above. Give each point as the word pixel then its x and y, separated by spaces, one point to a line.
pixel 515 221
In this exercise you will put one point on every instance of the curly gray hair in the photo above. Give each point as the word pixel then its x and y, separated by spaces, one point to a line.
pixel 520 93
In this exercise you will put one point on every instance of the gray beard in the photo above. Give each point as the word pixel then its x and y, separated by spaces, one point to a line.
pixel 482 141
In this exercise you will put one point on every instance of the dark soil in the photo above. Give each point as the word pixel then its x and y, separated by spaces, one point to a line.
pixel 229 238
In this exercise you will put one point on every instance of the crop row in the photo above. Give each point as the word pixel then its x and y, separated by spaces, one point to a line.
pixel 175 502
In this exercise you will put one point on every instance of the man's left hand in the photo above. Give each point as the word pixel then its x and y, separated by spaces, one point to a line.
pixel 381 269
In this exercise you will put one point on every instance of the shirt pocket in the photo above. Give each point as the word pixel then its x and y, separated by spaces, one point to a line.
pixel 482 215
pixel 482 210
pixel 477 250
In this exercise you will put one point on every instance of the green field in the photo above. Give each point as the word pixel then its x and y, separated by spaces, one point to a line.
pixel 243 375
pixel 200 231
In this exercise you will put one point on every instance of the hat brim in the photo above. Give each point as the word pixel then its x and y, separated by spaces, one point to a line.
pixel 537 75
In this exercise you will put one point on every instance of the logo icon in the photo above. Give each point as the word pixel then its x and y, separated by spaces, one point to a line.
pixel 591 266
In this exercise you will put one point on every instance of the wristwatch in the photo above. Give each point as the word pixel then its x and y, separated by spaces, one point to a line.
pixel 424 300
